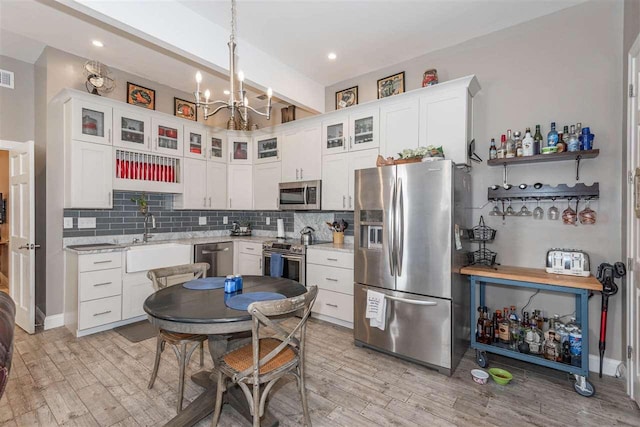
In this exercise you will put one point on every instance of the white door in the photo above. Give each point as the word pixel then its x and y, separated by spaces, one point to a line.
pixel 267 148
pixel 310 154
pixel 335 182
pixel 217 185
pixel 240 187
pixel 364 130
pixel 90 122
pixel 358 160
pixel 195 142
pixel 22 235
pixel 132 129
pixel 194 195
pixel 167 137
pixel 398 127
pixel 266 178
pixel 335 135
pixel 443 122
pixel 290 156
pixel 240 152
pixel 250 265
pixel 217 147
pixel 91 182
pixel 633 224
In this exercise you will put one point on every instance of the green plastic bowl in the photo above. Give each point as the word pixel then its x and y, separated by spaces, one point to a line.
pixel 500 376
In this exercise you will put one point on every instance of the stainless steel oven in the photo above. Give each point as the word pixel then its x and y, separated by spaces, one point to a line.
pixel 300 195
pixel 294 260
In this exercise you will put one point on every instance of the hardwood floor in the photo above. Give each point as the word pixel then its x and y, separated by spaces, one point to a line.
pixel 101 380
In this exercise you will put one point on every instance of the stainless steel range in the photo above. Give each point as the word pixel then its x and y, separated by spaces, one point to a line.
pixel 294 254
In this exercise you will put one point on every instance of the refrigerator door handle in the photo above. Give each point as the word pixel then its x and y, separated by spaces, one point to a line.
pixel 411 301
pixel 400 228
pixel 391 229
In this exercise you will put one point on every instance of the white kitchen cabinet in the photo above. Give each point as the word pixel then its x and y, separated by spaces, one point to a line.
pixel 302 154
pixel 217 146
pixel 216 185
pixel 194 195
pixel 249 265
pixel 89 183
pixel 240 187
pixel 399 126
pixel 89 121
pixel 335 134
pixel 266 178
pixel 338 177
pixel 332 272
pixel 353 132
pixel 131 129
pixel 267 148
pixel 195 142
pixel 445 120
pixel 240 152
pixel 167 137
pixel 136 288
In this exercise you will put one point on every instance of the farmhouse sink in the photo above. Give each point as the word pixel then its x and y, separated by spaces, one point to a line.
pixel 147 257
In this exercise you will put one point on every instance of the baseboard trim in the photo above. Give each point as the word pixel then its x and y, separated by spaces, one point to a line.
pixel 609 366
pixel 40 317
pixel 54 321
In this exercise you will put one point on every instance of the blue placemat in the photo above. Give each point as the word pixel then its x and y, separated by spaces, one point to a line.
pixel 205 284
pixel 242 301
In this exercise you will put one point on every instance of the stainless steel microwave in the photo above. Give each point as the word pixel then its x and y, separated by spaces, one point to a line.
pixel 300 195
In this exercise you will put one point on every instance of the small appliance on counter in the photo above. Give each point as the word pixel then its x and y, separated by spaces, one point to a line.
pixel 306 236
pixel 572 262
pixel 242 229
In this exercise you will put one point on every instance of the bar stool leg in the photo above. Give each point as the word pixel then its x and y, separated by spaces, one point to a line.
pixel 182 359
pixel 156 364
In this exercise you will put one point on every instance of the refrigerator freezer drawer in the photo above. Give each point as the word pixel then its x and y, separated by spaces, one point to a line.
pixel 413 329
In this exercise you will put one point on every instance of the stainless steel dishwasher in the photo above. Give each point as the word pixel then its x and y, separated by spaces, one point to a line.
pixel 219 256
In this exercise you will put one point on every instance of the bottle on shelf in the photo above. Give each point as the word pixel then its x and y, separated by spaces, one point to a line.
pixel 561 146
pixel 517 137
pixel 538 142
pixel 497 318
pixel 552 136
pixel 514 328
pixel 493 152
pixel 511 146
pixel 552 348
pixel 480 326
pixel 503 328
pixel 579 135
pixel 502 150
pixel 575 344
pixel 573 144
pixel 488 331
pixel 534 337
pixel 528 148
pixel 539 319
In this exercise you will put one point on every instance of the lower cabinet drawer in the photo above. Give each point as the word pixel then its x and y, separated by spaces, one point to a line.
pixel 100 284
pixel 104 261
pixel 334 304
pixel 250 248
pixel 330 278
pixel 100 312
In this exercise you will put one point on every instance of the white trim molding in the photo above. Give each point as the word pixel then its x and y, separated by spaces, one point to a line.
pixel 54 321
pixel 609 366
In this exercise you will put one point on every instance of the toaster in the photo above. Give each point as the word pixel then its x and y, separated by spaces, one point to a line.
pixel 568 261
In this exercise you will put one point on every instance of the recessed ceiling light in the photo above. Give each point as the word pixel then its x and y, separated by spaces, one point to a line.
pixel 226 92
pixel 332 56
pixel 97 43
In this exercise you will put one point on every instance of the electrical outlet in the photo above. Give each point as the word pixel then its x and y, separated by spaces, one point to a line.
pixel 68 222
pixel 86 223
pixel 267 220
pixel 225 220
pixel 202 220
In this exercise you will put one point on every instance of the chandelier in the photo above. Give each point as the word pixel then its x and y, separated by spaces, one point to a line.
pixel 238 107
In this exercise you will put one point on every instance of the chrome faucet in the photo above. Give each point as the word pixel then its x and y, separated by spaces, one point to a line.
pixel 146 236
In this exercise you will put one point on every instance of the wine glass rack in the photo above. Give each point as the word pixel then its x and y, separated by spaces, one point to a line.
pixel 147 172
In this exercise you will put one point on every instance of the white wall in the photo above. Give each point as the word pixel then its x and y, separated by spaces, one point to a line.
pixel 16 105
pixel 565 67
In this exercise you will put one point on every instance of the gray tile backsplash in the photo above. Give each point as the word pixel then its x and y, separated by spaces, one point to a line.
pixel 124 218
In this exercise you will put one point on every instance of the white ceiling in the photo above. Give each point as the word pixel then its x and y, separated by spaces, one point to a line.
pixel 19 47
pixel 366 35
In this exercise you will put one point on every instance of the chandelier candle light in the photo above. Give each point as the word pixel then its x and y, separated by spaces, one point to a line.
pixel 238 106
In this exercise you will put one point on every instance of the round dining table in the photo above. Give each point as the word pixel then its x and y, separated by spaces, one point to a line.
pixel 178 309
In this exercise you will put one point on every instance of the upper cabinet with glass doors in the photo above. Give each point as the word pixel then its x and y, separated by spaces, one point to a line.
pixel 240 152
pixel 167 136
pixel 267 148
pixel 90 122
pixel 217 146
pixel 195 142
pixel 353 132
pixel 132 129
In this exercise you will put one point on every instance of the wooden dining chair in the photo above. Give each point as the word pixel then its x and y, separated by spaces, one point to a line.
pixel 183 344
pixel 265 360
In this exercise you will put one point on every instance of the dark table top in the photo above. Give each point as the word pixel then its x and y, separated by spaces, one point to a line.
pixel 178 304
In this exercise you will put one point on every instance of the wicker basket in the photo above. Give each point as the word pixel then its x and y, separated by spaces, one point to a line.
pixel 481 233
pixel 482 257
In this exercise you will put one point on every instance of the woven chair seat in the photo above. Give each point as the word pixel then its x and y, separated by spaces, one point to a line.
pixel 176 336
pixel 242 358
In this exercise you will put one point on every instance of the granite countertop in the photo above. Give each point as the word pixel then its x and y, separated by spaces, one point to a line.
pixel 338 247
pixel 184 241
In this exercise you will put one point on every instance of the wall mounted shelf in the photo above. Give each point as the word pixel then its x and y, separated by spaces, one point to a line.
pixel 543 158
pixel 562 191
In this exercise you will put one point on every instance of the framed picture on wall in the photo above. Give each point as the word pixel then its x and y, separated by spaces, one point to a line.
pixel 346 98
pixel 141 96
pixel 185 109
pixel 392 85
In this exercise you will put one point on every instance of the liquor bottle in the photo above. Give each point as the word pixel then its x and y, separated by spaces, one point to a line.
pixel 503 328
pixel 573 144
pixel 517 137
pixel 480 325
pixel 539 319
pixel 560 146
pixel 488 332
pixel 579 135
pixel 525 319
pixel 511 146
pixel 514 329
pixel 502 150
pixel 528 144
pixel 493 152
pixel 538 142
pixel 552 136
pixel 497 319
pixel 492 328
pixel 575 346
pixel 534 338
pixel 552 349
pixel 566 353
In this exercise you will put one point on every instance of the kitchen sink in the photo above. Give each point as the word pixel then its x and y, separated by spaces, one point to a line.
pixel 95 246
pixel 157 255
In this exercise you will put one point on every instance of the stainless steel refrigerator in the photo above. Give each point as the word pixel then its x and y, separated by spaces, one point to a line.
pixel 406 220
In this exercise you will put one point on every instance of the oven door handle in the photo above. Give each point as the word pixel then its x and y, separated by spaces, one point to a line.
pixel 296 258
